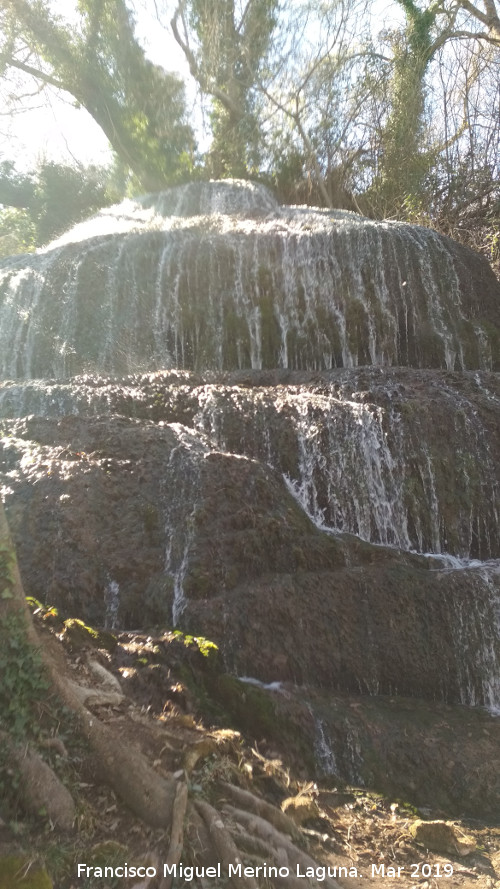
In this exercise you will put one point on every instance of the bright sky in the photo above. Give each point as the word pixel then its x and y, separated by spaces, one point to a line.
pixel 54 131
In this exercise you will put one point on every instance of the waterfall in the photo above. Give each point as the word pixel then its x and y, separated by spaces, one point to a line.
pixel 243 282
pixel 269 398
pixel 397 459
pixel 112 605
pixel 325 757
pixel 182 482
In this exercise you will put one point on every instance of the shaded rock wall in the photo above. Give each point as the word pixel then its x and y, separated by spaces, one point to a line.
pixel 440 757
pixel 130 521
pixel 398 457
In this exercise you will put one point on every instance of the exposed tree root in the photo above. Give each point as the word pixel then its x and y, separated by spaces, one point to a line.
pixel 54 744
pixel 198 838
pixel 265 831
pixel 177 832
pixel 94 697
pixel 245 799
pixel 125 769
pixel 224 844
pixel 250 844
pixel 259 851
pixel 149 882
pixel 255 829
pixel 40 788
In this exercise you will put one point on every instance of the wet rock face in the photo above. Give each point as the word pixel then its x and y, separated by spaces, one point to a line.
pixel 218 276
pixel 439 756
pixel 398 457
pixel 88 514
pixel 131 521
pixel 309 461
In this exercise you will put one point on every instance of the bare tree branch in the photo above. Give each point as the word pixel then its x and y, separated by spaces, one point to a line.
pixel 206 87
pixel 33 72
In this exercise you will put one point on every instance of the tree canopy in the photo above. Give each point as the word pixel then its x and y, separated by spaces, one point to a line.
pixel 226 48
pixel 99 62
pixel 47 201
pixel 317 99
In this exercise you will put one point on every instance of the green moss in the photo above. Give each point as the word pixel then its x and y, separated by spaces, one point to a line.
pixel 61 862
pixel 108 853
pixel 252 708
pixel 493 335
pixel 270 332
pixel 7 569
pixel 469 342
pixel 155 605
pixel 18 873
pixel 432 353
pixel 80 635
pixel 23 682
pixel 357 329
pixel 255 713
pixel 150 517
pixel 199 584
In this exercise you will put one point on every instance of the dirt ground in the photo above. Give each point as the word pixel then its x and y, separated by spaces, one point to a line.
pixel 340 827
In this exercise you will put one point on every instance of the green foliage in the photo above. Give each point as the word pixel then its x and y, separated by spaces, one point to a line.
pixel 23 683
pixel 97 59
pixel 47 611
pixel 17 226
pixel 66 195
pixel 205 646
pixel 231 51
pixel 7 565
pixel 405 164
pixel 44 203
pixel 419 24
pixel 17 231
pixel 308 99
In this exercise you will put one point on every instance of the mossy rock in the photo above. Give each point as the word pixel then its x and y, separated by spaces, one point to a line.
pixel 18 873
pixel 253 710
pixel 80 635
pixel 249 705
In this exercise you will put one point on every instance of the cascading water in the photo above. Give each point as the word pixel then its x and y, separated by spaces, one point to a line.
pixel 325 757
pixel 379 463
pixel 355 358
pixel 243 282
pixel 112 605
pixel 398 459
pixel 182 481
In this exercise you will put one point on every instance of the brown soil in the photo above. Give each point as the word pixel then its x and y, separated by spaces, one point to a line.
pixel 179 727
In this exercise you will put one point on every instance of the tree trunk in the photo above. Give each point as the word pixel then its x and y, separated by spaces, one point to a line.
pixel 125 769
